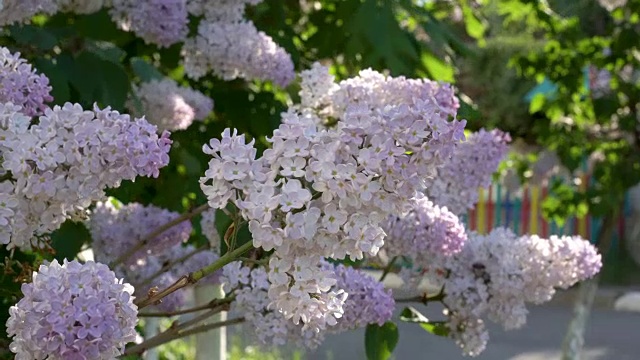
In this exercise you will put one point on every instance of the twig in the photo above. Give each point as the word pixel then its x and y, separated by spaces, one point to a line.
pixel 424 298
pixel 213 304
pixel 169 265
pixel 171 334
pixel 122 258
pixel 193 277
pixel 388 268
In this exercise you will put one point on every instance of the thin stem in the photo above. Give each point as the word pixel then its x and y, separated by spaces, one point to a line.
pixel 171 334
pixel 122 258
pixel 193 277
pixel 169 265
pixel 388 268
pixel 213 304
pixel 424 298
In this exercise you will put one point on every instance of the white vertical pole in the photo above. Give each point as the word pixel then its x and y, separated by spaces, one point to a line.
pixel 211 345
pixel 151 328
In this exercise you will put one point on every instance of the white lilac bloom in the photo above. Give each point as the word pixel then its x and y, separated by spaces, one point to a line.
pixel 339 165
pixel 167 105
pixel 65 160
pixel 72 311
pixel 21 85
pixel 495 275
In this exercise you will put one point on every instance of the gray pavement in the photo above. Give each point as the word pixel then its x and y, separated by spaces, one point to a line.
pixel 611 335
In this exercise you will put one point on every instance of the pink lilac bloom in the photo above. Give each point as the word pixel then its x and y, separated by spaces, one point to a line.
pixel 72 311
pixel 20 85
pixel 159 22
pixel 472 164
pixel 368 302
pixel 169 106
pixel 116 228
pixel 21 11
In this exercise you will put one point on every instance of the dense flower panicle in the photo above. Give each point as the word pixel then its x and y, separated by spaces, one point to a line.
pixel 428 231
pixel 72 311
pixel 472 164
pixel 169 106
pixel 236 50
pixel 65 161
pixel 21 11
pixel 367 300
pixel 159 22
pixel 328 183
pixel 209 230
pixel 116 229
pixel 20 85
pixel 496 274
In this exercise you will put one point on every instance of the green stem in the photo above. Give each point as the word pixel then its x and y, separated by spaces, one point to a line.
pixel 388 268
pixel 195 276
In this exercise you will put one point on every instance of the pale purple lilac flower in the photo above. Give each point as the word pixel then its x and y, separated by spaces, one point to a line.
pixel 20 85
pixel 72 311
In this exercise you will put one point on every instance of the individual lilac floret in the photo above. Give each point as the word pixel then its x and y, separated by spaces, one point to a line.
pixel 236 50
pixel 116 228
pixel 427 231
pixel 21 11
pixel 367 300
pixel 160 22
pixel 20 85
pixel 72 311
pixel 473 162
pixel 65 160
pixel 169 106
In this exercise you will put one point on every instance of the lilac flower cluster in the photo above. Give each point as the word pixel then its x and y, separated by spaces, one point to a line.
pixel 20 85
pixel 21 11
pixel 160 22
pixel 426 233
pixel 116 228
pixel 169 106
pixel 209 230
pixel 57 167
pixel 496 274
pixel 474 161
pixel 367 300
pixel 330 180
pixel 72 311
pixel 231 47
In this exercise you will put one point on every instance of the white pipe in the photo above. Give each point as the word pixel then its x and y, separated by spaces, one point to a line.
pixel 211 345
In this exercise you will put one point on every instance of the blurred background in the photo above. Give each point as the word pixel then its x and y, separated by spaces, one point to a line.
pixel 560 76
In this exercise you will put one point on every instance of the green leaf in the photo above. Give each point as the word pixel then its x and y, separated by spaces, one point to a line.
pixel 380 340
pixel 34 36
pixel 537 102
pixel 68 240
pixel 410 314
pixel 438 328
pixel 475 28
pixel 438 69
pixel 106 51
pixel 144 70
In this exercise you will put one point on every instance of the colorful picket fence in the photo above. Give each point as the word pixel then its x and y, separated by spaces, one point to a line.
pixel 522 212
